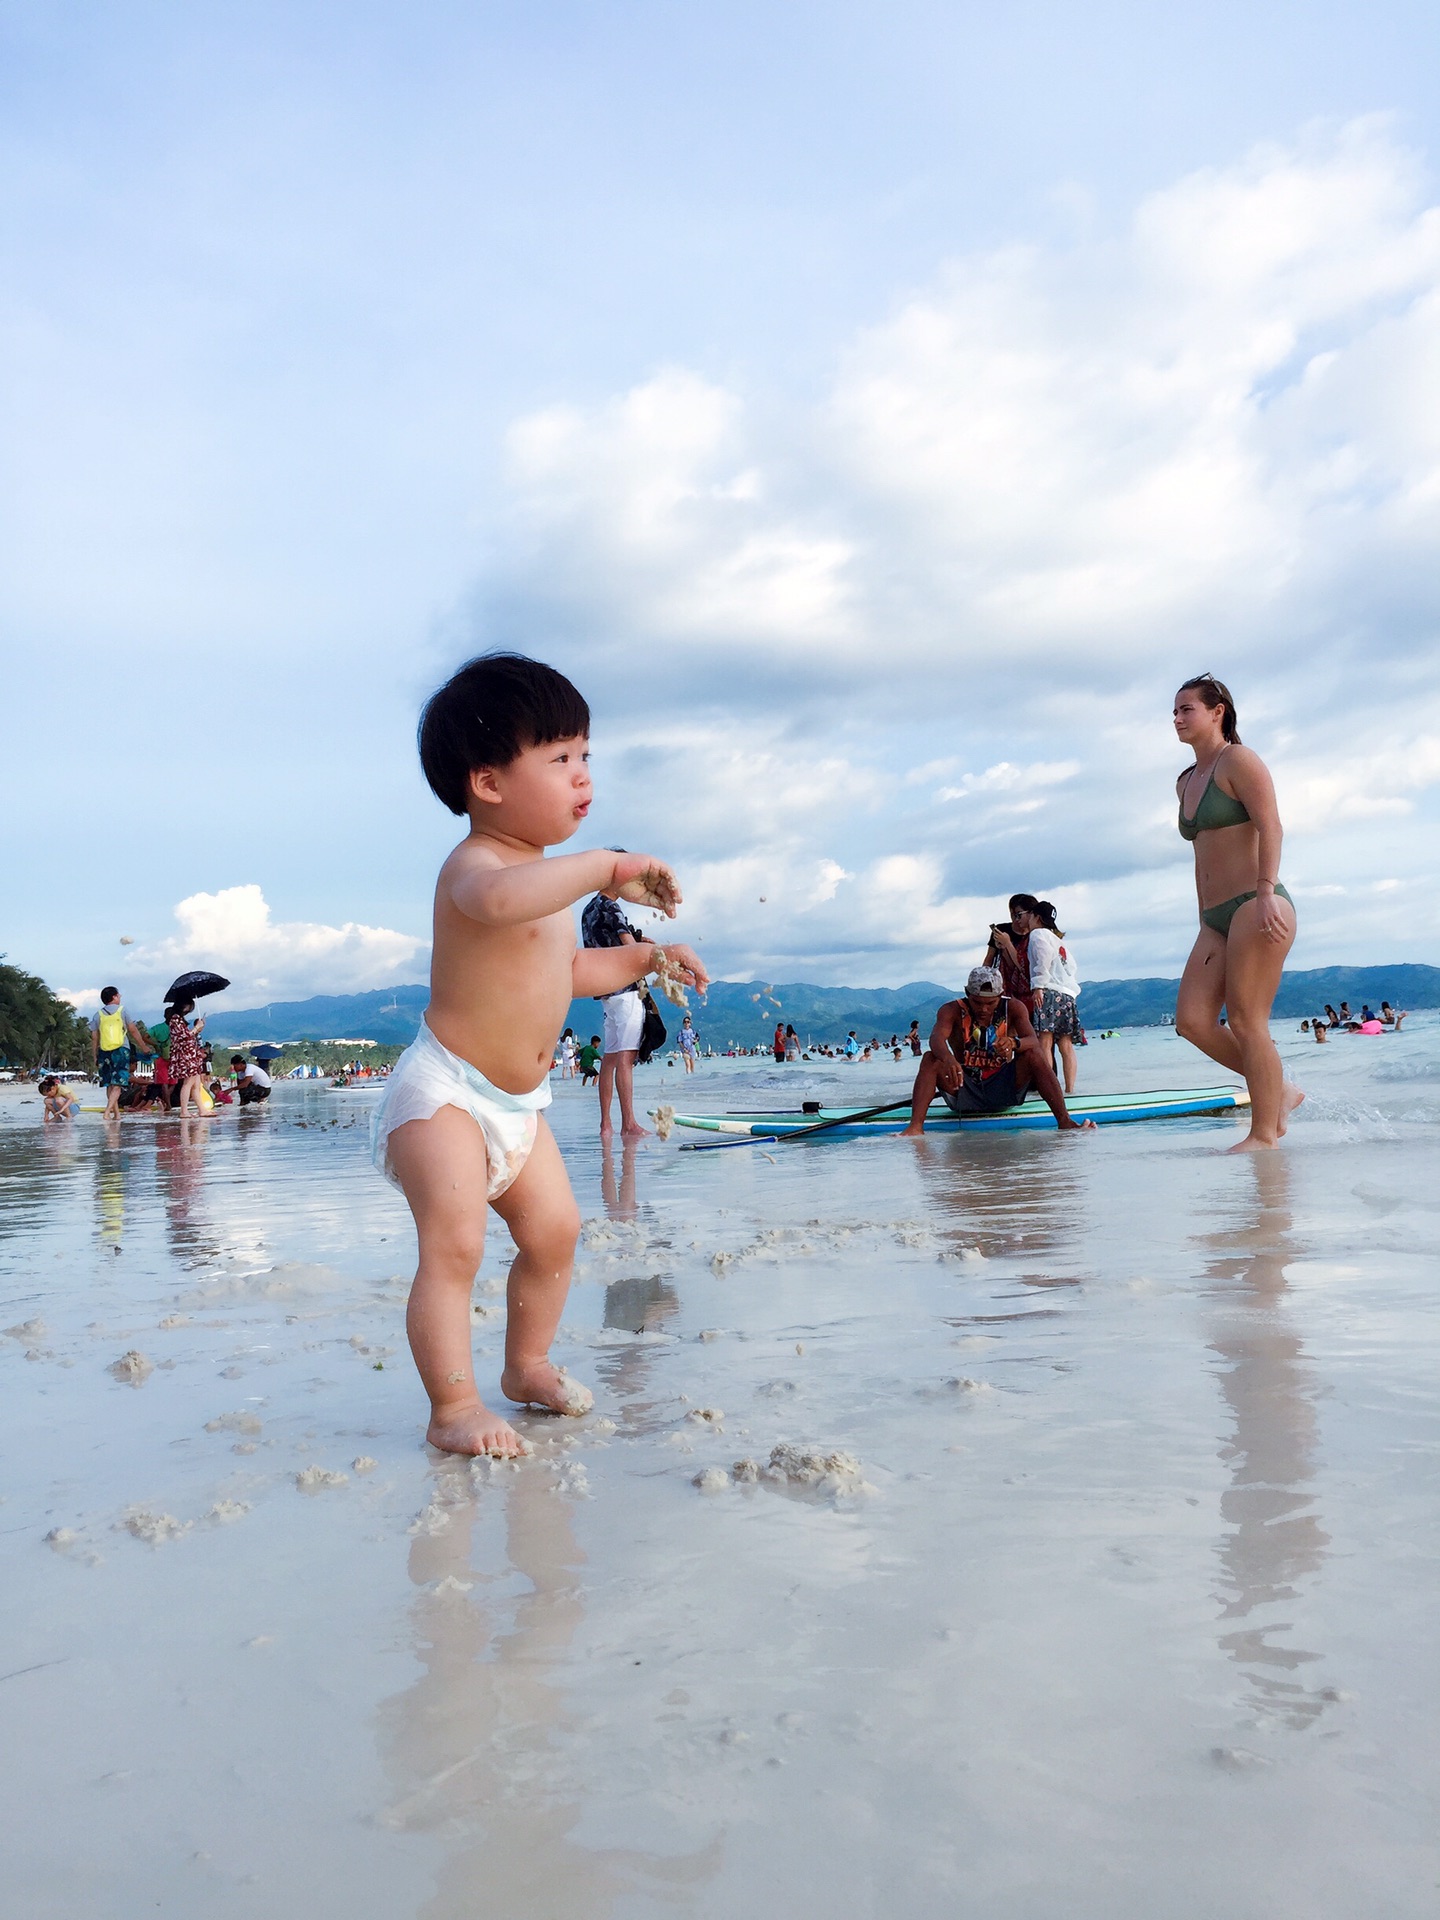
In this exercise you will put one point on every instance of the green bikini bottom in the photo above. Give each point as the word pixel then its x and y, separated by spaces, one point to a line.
pixel 1219 918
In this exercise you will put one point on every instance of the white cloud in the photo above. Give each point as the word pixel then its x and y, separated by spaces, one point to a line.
pixel 659 512
pixel 84 999
pixel 1006 778
pixel 1146 435
pixel 231 932
pixel 1043 489
pixel 1360 786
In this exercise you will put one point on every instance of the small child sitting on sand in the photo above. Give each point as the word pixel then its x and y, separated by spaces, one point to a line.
pixel 506 741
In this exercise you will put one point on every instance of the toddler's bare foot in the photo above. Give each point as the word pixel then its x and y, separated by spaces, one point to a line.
pixel 476 1430
pixel 540 1384
pixel 1290 1098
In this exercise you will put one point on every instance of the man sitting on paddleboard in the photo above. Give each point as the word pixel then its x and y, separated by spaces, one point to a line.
pixel 984 1057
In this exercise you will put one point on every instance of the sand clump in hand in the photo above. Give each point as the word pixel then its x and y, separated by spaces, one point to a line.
pixel 133 1367
pixel 669 979
pixel 315 1479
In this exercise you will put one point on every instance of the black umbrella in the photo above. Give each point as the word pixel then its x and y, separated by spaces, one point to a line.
pixel 194 986
pixel 266 1052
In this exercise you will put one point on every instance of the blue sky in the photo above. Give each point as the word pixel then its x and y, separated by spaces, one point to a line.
pixel 875 411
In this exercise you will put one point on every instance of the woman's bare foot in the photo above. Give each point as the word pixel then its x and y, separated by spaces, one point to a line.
pixel 912 1132
pixel 541 1384
pixel 635 1131
pixel 1250 1144
pixel 1290 1098
pixel 476 1430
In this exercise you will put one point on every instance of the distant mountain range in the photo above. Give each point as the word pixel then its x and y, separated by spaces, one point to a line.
pixel 748 1012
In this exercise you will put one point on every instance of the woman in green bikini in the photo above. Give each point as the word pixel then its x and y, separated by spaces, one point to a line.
pixel 1247 919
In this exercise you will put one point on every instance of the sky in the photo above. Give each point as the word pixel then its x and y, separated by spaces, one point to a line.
pixel 877 413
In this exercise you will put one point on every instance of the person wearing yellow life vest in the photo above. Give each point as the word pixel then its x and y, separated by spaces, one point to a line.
pixel 111 1033
pixel 984 1057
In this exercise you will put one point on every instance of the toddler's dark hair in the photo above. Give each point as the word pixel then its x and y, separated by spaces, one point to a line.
pixel 487 714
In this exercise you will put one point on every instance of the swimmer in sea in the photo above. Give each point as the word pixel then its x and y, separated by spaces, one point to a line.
pixel 1247 919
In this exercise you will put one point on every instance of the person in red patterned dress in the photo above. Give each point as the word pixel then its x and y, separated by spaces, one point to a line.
pixel 187 1056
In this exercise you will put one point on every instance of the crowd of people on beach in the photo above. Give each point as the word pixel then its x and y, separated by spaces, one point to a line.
pixel 165 1066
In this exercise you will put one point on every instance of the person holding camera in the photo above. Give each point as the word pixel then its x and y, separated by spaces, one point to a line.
pixel 1009 948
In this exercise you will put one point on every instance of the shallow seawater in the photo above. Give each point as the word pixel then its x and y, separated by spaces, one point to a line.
pixel 1134 1614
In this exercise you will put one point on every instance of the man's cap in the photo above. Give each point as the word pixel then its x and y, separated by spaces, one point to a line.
pixel 983 981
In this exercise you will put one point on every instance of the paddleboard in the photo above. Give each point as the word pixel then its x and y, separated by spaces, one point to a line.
pixel 1105 1109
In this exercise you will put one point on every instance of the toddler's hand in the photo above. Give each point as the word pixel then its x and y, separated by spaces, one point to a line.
pixel 684 964
pixel 645 882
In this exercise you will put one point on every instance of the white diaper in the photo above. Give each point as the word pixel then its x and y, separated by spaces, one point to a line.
pixel 624 1021
pixel 427 1077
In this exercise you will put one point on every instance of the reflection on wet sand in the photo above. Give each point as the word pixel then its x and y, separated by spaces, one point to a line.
pixel 617 1190
pixel 1274 1539
pixel 1003 1201
pixel 485 1750
pixel 638 1303
pixel 180 1168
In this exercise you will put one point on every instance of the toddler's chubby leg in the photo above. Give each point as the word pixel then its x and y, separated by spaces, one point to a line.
pixel 540 1211
pixel 441 1164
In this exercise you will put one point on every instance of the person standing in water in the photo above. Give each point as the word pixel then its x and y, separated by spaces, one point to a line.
pixel 687 1040
pixel 1247 919
pixel 1054 988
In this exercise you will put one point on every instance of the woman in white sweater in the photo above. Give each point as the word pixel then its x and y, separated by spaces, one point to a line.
pixel 1055 985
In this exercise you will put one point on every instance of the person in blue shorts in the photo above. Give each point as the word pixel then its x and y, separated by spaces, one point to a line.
pixel 112 1032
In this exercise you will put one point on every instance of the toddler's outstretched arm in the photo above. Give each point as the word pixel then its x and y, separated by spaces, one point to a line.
pixel 498 895
pixel 600 970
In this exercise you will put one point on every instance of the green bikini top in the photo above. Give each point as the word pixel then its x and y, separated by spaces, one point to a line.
pixel 1216 809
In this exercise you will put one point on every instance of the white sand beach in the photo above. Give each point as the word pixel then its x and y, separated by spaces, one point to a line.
pixel 1126 1607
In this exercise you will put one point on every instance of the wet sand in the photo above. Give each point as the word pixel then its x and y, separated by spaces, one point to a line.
pixel 1128 1609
